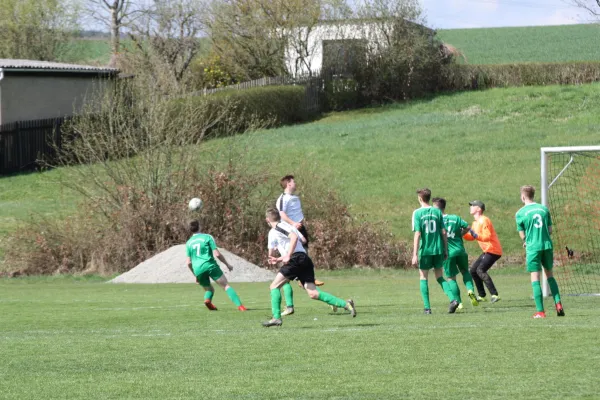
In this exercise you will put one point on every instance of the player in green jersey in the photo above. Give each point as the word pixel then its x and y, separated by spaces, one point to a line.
pixel 458 260
pixel 201 253
pixel 534 225
pixel 430 248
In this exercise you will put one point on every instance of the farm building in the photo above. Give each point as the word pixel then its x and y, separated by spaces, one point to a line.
pixel 34 90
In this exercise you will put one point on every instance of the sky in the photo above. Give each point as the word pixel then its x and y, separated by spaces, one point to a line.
pixel 450 14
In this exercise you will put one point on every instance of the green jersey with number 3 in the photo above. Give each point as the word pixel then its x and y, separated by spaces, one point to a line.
pixel 200 249
pixel 430 222
pixel 454 226
pixel 534 219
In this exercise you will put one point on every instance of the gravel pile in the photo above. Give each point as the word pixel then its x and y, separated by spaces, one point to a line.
pixel 170 267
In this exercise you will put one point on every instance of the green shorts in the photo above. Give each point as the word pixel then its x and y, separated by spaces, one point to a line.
pixel 428 262
pixel 454 265
pixel 205 273
pixel 538 259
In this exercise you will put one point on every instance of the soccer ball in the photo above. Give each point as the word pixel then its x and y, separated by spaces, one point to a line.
pixel 195 204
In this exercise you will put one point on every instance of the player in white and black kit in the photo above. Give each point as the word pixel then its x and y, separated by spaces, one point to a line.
pixel 285 238
pixel 290 211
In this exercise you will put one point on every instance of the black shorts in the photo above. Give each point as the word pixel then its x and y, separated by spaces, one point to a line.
pixel 299 267
pixel 304 233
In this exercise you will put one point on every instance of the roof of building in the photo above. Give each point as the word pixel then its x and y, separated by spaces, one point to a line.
pixel 32 65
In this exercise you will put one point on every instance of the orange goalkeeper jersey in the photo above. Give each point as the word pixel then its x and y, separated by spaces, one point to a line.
pixel 486 236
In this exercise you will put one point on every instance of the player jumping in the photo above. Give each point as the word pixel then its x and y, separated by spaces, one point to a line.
pixel 534 225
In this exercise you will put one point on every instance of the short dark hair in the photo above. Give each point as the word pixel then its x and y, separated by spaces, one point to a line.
pixel 285 180
pixel 194 226
pixel 424 194
pixel 440 201
pixel 273 214
pixel 528 191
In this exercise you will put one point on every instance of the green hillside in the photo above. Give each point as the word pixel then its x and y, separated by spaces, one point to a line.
pixel 474 145
pixel 526 44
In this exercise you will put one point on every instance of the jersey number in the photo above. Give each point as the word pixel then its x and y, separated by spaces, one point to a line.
pixel 538 221
pixel 430 226
pixel 451 234
pixel 197 248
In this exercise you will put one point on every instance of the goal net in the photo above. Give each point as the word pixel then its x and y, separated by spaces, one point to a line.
pixel 571 190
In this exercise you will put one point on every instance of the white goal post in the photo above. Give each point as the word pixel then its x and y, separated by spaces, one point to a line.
pixel 547 181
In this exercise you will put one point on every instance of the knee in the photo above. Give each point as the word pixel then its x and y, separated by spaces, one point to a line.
pixel 273 286
pixel 313 294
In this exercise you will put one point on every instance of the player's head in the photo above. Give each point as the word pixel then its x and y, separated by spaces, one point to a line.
pixel 424 195
pixel 439 202
pixel 194 226
pixel 527 193
pixel 477 207
pixel 288 182
pixel 272 215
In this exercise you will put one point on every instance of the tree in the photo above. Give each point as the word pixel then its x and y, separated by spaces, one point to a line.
pixel 115 15
pixel 35 29
pixel 591 6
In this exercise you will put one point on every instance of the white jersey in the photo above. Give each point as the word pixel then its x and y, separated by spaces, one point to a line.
pixel 279 238
pixel 290 204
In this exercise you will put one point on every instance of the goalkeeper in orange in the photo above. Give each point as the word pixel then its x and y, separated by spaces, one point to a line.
pixel 483 231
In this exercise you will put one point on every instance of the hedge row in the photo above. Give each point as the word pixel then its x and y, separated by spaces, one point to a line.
pixel 471 77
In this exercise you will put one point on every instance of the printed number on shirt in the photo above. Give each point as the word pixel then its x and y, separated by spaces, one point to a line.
pixel 538 221
pixel 430 226
pixel 197 248
pixel 451 233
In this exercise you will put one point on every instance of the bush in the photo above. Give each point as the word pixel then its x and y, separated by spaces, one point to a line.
pixel 472 77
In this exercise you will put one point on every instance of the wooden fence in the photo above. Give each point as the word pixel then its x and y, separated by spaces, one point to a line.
pixel 24 144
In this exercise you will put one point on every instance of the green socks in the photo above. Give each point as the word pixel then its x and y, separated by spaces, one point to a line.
pixel 453 288
pixel 537 296
pixel 554 289
pixel 425 293
pixel 331 300
pixel 276 303
pixel 208 296
pixel 233 296
pixel 468 281
pixel 445 288
pixel 289 295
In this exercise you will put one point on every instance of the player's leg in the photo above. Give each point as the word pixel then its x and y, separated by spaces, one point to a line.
pixel 439 277
pixel 424 266
pixel 288 294
pixel 477 279
pixel 275 286
pixel 203 279
pixel 486 263
pixel 231 293
pixel 450 271
pixel 547 263
pixel 462 262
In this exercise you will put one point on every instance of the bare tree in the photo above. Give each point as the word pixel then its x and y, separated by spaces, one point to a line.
pixel 115 15
pixel 591 6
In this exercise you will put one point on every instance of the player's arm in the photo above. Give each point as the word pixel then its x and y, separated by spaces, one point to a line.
pixel 416 241
pixel 445 240
pixel 221 257
pixel 522 235
pixel 287 219
pixel 484 235
pixel 470 235
pixel 293 242
pixel 189 264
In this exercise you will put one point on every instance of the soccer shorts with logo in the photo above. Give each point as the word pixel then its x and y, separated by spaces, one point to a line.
pixel 455 264
pixel 428 262
pixel 301 267
pixel 538 259
pixel 204 274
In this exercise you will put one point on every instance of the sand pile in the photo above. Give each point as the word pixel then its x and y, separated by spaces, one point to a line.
pixel 170 267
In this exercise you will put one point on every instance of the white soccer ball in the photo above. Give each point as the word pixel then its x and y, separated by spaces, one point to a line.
pixel 195 204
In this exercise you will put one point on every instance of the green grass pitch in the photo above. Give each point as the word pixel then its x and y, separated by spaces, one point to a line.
pixel 81 338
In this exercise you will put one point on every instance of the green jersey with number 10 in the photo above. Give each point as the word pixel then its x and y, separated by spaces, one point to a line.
pixel 534 219
pixel 430 222
pixel 454 226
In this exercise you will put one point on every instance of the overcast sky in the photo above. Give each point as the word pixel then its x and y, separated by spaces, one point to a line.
pixel 445 14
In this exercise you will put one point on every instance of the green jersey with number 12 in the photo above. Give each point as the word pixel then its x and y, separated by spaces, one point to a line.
pixel 534 219
pixel 430 222
pixel 454 226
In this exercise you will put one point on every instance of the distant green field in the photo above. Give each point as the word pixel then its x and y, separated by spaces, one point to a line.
pixel 526 44
pixel 474 145
pixel 81 339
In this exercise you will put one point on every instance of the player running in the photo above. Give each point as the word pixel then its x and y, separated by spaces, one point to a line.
pixel 483 231
pixel 430 248
pixel 297 264
pixel 290 211
pixel 201 253
pixel 458 260
pixel 534 225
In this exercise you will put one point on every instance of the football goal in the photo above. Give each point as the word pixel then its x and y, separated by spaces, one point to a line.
pixel 571 190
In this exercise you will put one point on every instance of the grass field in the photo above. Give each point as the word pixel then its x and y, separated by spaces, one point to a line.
pixel 475 145
pixel 526 44
pixel 69 338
